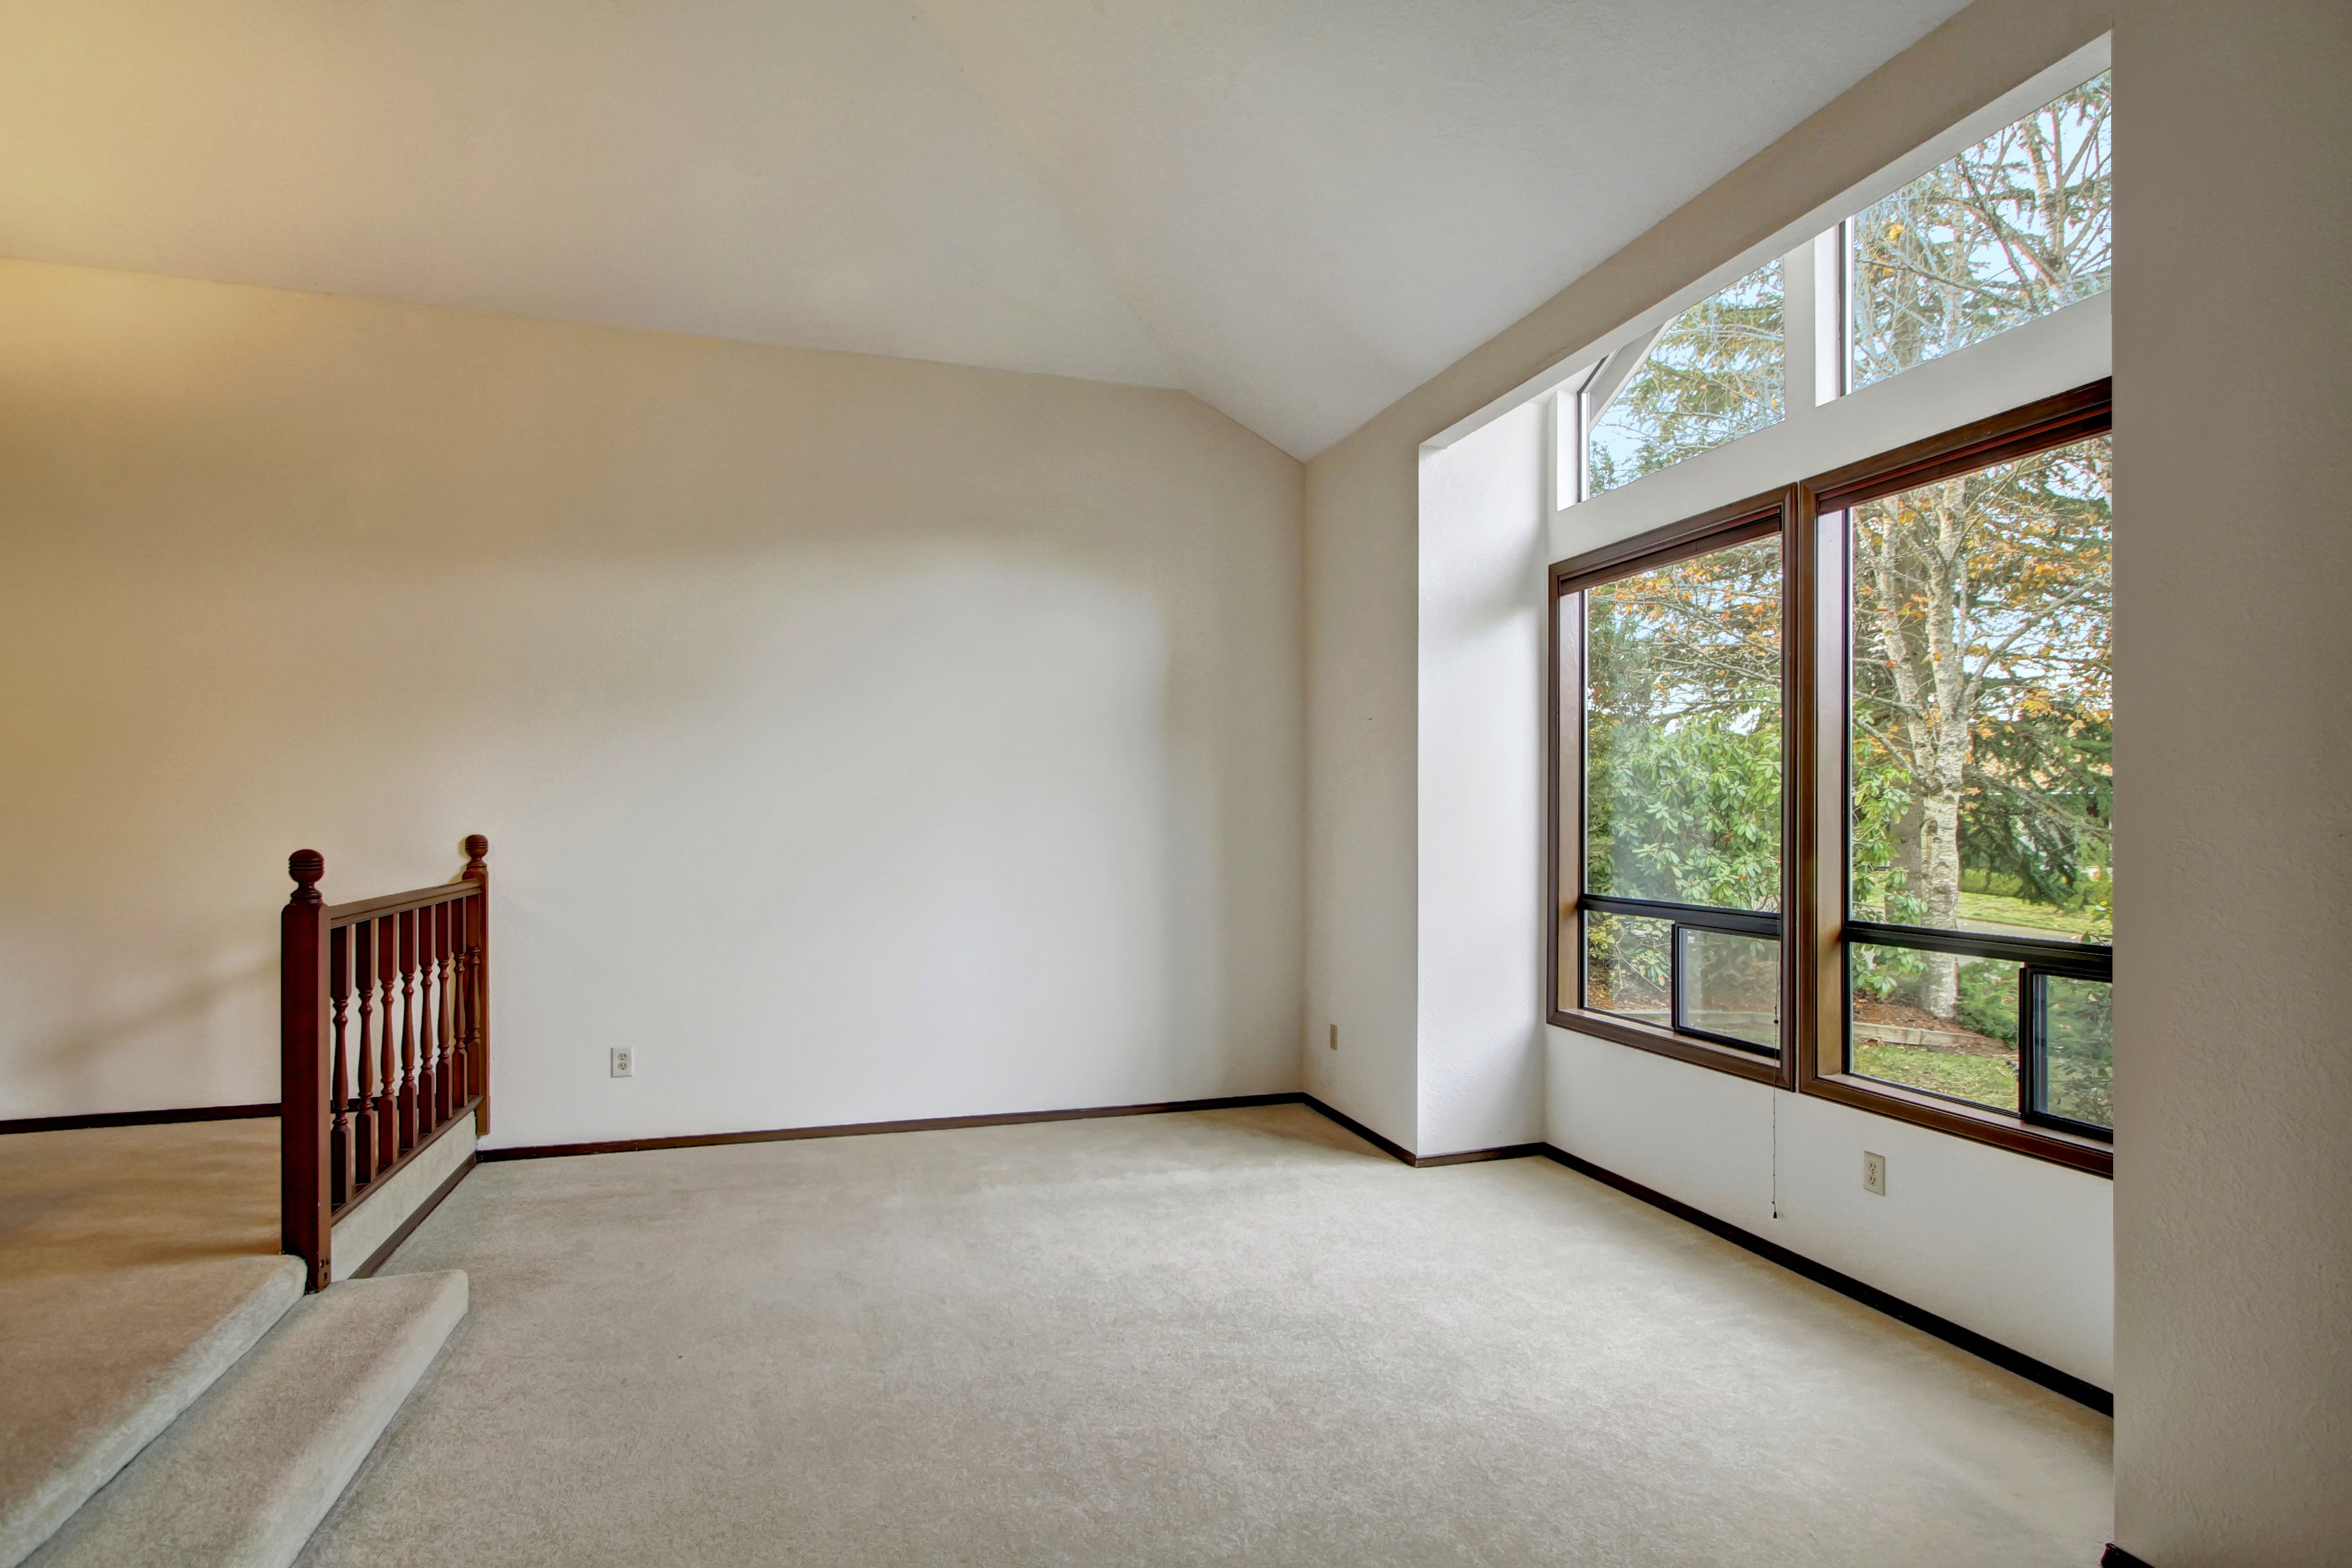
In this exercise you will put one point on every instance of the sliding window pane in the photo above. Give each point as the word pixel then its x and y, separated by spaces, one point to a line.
pixel 1627 960
pixel 2078 1053
pixel 2015 228
pixel 1715 374
pixel 1681 737
pixel 1730 986
pixel 1981 778
pixel 1934 1021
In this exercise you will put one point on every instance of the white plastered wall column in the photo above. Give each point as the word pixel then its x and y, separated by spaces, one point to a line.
pixel 1478 1023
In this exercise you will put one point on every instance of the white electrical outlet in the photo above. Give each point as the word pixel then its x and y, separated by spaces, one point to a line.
pixel 1874 1172
pixel 625 1062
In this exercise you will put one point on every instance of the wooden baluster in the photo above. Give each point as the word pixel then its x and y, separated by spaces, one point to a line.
pixel 365 1136
pixel 477 1000
pixel 339 1094
pixel 404 924
pixel 460 978
pixel 388 1103
pixel 444 929
pixel 308 1223
pixel 428 1031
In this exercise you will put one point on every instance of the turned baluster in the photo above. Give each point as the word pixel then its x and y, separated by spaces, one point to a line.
pixel 388 1103
pixel 426 1066
pixel 445 1035
pixel 405 924
pixel 460 1068
pixel 338 1133
pixel 365 1136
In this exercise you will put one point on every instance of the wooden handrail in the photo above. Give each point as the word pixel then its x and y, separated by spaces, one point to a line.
pixel 384 1038
pixel 393 903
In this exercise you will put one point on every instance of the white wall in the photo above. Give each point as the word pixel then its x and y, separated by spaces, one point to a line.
pixel 859 739
pixel 1361 958
pixel 2233 995
pixel 2017 1249
pixel 2012 1248
pixel 1480 759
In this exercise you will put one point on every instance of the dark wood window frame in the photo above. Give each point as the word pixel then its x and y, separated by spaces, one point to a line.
pixel 1813 786
pixel 1760 517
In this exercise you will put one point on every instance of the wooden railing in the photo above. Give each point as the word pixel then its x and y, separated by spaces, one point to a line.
pixel 385 1019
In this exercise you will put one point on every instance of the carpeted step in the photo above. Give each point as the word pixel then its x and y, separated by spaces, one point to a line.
pixel 245 1474
pixel 96 1361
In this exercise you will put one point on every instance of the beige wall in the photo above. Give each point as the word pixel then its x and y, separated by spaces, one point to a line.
pixel 2233 997
pixel 859 739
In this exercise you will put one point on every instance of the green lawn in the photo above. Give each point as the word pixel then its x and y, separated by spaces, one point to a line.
pixel 1998 910
pixel 1987 1080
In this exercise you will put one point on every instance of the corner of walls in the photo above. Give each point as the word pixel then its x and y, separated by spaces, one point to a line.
pixel 1361 871
pixel 859 739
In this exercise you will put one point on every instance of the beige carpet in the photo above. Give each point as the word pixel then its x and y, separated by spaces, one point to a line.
pixel 1235 1338
pixel 136 1263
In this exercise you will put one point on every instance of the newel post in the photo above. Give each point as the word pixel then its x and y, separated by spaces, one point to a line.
pixel 302 1069
pixel 477 1013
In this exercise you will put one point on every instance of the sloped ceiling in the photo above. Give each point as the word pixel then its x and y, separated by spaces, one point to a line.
pixel 1297 209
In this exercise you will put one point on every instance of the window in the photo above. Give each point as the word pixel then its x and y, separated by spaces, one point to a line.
pixel 1671 658
pixel 1832 768
pixel 2015 228
pixel 1876 708
pixel 1980 785
pixel 1709 376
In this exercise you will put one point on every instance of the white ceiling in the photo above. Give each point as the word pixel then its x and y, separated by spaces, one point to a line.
pixel 1297 209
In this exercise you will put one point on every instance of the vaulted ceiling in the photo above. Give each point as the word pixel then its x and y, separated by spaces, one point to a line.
pixel 1297 209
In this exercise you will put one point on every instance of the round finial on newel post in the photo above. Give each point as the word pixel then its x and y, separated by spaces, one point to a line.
pixel 306 867
pixel 476 847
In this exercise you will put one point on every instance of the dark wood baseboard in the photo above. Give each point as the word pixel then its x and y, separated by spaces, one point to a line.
pixel 866 1129
pixel 138 1118
pixel 2117 1557
pixel 383 1255
pixel 1925 1322
pixel 1403 1155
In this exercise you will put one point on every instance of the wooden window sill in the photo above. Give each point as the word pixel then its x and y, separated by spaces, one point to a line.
pixel 1666 1043
pixel 2002 1129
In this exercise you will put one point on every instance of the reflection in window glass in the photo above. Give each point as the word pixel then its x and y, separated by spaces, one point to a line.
pixel 1964 1045
pixel 1626 964
pixel 2078 1053
pixel 2015 228
pixel 1730 986
pixel 1683 732
pixel 1714 375
pixel 1981 778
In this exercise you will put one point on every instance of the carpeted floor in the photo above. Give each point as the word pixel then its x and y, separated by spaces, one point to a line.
pixel 135 1264
pixel 1237 1337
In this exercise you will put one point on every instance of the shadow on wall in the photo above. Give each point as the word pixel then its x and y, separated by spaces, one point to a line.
pixel 213 1020
pixel 833 833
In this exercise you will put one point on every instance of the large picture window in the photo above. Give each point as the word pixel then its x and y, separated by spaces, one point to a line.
pixel 1980 785
pixel 1682 816
pixel 1672 669
pixel 1833 784
pixel 1833 767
